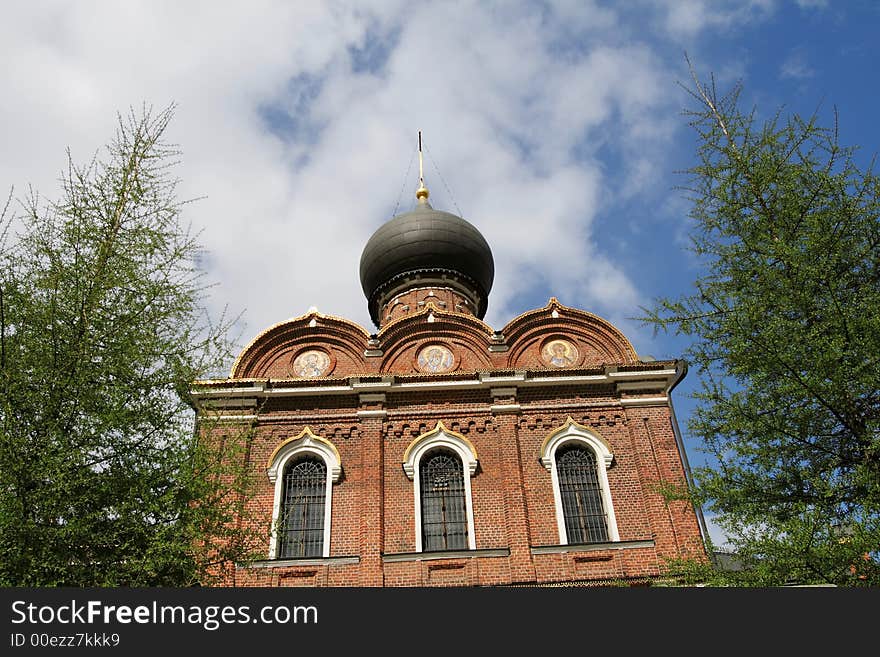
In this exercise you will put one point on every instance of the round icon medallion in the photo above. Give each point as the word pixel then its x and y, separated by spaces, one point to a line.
pixel 311 363
pixel 559 353
pixel 435 358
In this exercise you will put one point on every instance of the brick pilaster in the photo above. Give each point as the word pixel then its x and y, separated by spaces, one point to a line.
pixel 506 411
pixel 372 493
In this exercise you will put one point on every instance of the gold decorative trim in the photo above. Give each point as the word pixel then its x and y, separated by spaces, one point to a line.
pixel 440 428
pixel 305 433
pixel 567 425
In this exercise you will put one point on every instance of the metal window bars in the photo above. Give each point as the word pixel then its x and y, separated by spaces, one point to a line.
pixel 582 507
pixel 444 510
pixel 301 521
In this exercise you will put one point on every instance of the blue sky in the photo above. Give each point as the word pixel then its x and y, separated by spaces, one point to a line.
pixel 554 127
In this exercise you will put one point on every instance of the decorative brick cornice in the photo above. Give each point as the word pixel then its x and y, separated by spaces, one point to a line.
pixel 657 377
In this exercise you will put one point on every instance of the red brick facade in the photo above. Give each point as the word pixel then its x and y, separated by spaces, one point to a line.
pixel 496 396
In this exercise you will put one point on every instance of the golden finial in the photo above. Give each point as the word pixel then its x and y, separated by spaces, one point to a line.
pixel 422 192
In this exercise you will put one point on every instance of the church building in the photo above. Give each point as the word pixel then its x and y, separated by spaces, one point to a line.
pixel 440 451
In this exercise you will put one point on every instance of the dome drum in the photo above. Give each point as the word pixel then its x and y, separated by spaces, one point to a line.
pixel 473 299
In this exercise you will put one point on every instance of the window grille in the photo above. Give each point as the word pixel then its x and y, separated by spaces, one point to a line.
pixel 444 511
pixel 301 521
pixel 582 506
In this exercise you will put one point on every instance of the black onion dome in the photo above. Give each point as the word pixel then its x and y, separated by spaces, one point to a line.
pixel 426 241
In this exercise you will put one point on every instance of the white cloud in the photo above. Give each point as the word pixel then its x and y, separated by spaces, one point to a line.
pixel 301 155
pixel 686 18
pixel 796 66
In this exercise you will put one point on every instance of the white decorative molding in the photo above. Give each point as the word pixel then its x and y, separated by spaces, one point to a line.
pixel 648 384
pixel 645 401
pixel 639 379
pixel 308 390
pixel 483 553
pixel 592 547
pixel 501 409
pixel 578 379
pixel 640 374
pixel 384 383
pixel 231 418
pixel 317 561
pixel 490 379
pixel 381 413
pixel 233 402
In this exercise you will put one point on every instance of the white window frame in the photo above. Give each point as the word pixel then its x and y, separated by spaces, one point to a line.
pixel 441 438
pixel 309 444
pixel 572 432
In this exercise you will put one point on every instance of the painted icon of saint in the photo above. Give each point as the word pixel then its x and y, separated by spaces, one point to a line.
pixel 559 353
pixel 311 363
pixel 435 358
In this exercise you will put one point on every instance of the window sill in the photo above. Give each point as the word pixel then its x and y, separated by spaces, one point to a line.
pixel 303 561
pixel 446 554
pixel 591 547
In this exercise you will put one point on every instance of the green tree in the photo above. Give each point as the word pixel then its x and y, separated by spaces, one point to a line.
pixel 103 481
pixel 785 333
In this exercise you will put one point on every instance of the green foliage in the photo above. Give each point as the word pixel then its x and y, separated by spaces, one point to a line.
pixel 102 479
pixel 785 328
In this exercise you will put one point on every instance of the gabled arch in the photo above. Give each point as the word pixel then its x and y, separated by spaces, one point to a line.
pixel 529 330
pixel 467 336
pixel 333 333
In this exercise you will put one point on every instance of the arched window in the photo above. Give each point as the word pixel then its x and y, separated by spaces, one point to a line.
pixel 440 464
pixel 303 470
pixel 578 459
pixel 582 506
pixel 301 518
pixel 444 510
